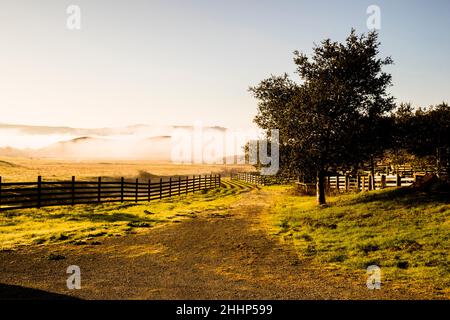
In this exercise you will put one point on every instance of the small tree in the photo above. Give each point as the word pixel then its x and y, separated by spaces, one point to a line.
pixel 327 119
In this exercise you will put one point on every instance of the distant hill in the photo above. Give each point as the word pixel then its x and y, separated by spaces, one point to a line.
pixel 152 148
pixel 13 152
pixel 151 130
pixel 7 164
pixel 131 142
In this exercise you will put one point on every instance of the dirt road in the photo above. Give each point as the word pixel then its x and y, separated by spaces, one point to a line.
pixel 212 256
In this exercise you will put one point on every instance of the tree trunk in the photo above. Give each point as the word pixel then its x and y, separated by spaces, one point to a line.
pixel 320 188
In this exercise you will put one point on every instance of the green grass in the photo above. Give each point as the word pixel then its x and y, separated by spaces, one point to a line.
pixel 83 224
pixel 406 233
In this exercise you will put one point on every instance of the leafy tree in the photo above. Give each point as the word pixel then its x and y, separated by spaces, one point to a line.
pixel 327 119
pixel 424 132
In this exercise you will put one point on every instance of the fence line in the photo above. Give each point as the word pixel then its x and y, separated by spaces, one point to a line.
pixel 340 183
pixel 367 182
pixel 17 195
pixel 260 179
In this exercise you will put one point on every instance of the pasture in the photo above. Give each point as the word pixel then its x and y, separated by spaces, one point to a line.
pixel 236 241
pixel 403 231
pixel 27 169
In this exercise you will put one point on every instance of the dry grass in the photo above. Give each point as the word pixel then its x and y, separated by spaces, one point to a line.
pixel 22 169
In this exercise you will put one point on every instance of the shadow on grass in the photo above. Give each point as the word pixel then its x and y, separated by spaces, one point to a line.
pixel 113 217
pixel 403 196
pixel 101 217
pixel 12 292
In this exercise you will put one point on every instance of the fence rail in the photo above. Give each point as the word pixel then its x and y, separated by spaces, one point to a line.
pixel 347 183
pixel 340 183
pixel 261 180
pixel 17 195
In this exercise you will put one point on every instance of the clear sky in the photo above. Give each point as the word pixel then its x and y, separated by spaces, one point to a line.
pixel 175 62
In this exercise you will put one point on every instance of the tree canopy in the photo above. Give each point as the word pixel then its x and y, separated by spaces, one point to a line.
pixel 326 119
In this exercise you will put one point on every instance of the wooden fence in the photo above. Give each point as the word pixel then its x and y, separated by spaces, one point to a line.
pixel 340 183
pixel 16 195
pixel 260 179
pixel 348 183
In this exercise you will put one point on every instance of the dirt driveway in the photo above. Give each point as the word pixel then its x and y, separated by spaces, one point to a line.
pixel 209 257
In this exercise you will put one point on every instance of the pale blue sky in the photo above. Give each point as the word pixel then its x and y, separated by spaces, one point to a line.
pixel 176 62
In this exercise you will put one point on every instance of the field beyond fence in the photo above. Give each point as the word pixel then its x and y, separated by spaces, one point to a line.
pixel 16 195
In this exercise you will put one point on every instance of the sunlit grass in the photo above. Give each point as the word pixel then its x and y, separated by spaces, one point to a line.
pixel 83 224
pixel 404 232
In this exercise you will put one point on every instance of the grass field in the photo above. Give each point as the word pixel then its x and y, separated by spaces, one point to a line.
pixel 24 169
pixel 86 224
pixel 404 232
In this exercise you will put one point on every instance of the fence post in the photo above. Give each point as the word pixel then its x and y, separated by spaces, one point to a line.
pixel 337 183
pixel 179 186
pixel 371 177
pixel 187 185
pixel 160 188
pixel 363 184
pixel 73 190
pixel 398 180
pixel 39 187
pixel 347 182
pixel 219 180
pixel 358 182
pixel 121 188
pixel 383 181
pixel 99 188
pixel 170 187
pixel 149 189
pixel 137 186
